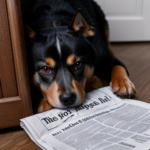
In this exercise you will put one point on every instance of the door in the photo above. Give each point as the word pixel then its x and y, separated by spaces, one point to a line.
pixel 15 99
pixel 129 20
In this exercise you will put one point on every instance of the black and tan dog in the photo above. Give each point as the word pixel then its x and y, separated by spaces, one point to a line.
pixel 69 52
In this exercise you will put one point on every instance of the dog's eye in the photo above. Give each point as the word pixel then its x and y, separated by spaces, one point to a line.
pixel 78 65
pixel 46 70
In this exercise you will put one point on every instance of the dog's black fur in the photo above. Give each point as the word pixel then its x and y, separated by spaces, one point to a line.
pixel 51 19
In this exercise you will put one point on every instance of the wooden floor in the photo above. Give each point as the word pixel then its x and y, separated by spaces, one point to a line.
pixel 136 57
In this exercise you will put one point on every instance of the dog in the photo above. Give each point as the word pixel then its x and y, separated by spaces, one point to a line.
pixel 69 53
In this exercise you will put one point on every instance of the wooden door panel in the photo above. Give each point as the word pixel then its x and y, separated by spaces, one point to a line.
pixel 7 70
pixel 19 52
pixel 15 99
pixel 10 112
pixel 0 90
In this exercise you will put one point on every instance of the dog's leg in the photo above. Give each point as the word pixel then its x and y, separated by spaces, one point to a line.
pixel 120 82
pixel 44 106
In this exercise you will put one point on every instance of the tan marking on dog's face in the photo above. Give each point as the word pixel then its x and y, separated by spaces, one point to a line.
pixel 50 62
pixel 52 94
pixel 44 106
pixel 71 60
pixel 35 80
pixel 89 72
pixel 79 88
pixel 54 25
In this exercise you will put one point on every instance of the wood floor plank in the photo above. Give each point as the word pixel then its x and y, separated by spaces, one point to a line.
pixel 16 140
pixel 1 95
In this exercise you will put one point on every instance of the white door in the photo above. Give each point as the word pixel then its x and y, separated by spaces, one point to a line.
pixel 129 20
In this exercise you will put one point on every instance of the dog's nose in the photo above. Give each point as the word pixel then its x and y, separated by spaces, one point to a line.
pixel 68 98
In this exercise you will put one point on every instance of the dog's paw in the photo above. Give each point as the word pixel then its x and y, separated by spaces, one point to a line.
pixel 44 106
pixel 123 88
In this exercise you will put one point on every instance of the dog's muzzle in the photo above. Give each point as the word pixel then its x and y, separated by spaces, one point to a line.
pixel 68 98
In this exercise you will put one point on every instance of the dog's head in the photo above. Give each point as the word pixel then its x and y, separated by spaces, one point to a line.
pixel 62 61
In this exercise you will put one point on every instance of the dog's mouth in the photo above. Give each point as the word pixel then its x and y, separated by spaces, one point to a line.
pixel 65 100
pixel 61 98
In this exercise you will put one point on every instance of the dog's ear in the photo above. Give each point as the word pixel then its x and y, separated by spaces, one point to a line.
pixel 80 25
pixel 29 33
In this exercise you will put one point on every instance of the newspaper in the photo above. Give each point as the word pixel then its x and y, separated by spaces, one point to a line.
pixel 103 122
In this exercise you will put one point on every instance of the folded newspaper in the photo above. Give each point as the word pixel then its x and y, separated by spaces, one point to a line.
pixel 103 122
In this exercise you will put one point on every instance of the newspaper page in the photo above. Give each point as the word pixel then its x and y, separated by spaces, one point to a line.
pixel 103 122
